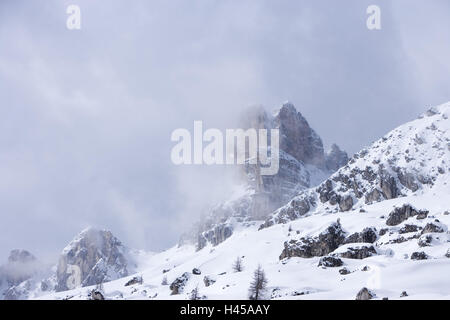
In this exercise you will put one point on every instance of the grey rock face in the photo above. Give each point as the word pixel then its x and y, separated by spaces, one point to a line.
pixel 330 261
pixel 359 252
pixel 96 295
pixel 407 228
pixel 364 294
pixel 300 148
pixel 419 256
pixel 296 208
pixel 402 214
pixel 326 242
pixel 207 280
pixel 346 203
pixel 134 280
pixel 196 271
pixel 21 266
pixel 425 240
pixel 298 138
pixel 335 158
pixel 215 236
pixel 344 271
pixel 178 285
pixel 93 257
pixel 368 235
pixel 432 228
pixel 20 256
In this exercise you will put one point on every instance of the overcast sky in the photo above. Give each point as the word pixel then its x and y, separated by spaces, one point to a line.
pixel 86 115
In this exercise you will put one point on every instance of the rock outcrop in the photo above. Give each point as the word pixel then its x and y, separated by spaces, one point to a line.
pixel 396 165
pixel 400 214
pixel 358 252
pixel 335 158
pixel 93 257
pixel 179 283
pixel 302 164
pixel 321 245
pixel 365 294
pixel 330 261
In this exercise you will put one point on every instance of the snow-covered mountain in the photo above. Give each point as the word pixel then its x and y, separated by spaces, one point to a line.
pixel 94 256
pixel 376 228
pixel 303 164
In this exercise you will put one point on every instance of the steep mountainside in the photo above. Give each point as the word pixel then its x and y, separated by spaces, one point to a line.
pixel 303 164
pixel 408 160
pixel 377 228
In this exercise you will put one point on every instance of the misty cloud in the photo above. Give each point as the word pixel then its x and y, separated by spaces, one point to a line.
pixel 86 115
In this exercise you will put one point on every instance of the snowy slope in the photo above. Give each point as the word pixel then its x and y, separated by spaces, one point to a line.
pixel 389 274
pixel 409 214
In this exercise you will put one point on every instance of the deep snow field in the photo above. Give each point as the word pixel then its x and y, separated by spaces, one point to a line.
pixel 389 274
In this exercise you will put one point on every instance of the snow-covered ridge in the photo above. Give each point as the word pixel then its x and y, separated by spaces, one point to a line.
pixel 407 160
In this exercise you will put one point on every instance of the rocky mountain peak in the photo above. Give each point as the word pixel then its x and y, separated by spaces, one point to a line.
pixel 335 158
pixel 409 159
pixel 20 256
pixel 297 138
pixel 302 164
pixel 92 257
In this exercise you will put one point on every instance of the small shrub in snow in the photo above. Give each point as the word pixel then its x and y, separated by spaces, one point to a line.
pixel 237 265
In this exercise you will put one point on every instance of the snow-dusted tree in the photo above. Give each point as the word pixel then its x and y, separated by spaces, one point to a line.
pixel 237 265
pixel 195 295
pixel 164 281
pixel 258 286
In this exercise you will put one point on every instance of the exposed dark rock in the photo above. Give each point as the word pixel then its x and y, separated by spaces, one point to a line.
pixel 296 208
pixel 383 231
pixel 425 240
pixel 178 284
pixel 432 228
pixel 134 280
pixel 388 186
pixel 408 228
pixel 298 138
pixel 419 256
pixel 373 196
pixel 90 259
pixel 346 203
pixel 364 294
pixel 408 180
pixel 422 215
pixel 400 214
pixel 330 261
pixel 321 245
pixel 335 158
pixel 344 271
pixel 207 280
pixel 403 294
pixel 368 235
pixel 365 268
pixel 447 254
pixel 96 295
pixel 196 271
pixel 215 235
pixel 359 252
